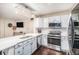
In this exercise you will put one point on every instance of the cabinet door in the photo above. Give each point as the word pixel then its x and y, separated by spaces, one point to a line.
pixel 65 20
pixel 27 49
pixel 44 40
pixel 9 51
pixel 38 23
pixel 34 45
pixel 41 23
pixel 39 41
pixel 64 43
pixel 54 19
pixel 75 16
pixel 45 22
pixel 19 51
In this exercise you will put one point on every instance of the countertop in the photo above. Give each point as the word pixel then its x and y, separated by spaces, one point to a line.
pixel 11 41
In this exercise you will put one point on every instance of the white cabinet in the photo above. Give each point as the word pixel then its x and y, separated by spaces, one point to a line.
pixel 9 51
pixel 27 49
pixel 65 20
pixel 54 19
pixel 19 49
pixel 38 23
pixel 44 40
pixel 75 16
pixel 34 44
pixel 41 22
pixel 30 47
pixel 39 41
pixel 24 48
pixel 45 22
pixel 64 43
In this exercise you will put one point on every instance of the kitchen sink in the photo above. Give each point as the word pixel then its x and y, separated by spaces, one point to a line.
pixel 25 37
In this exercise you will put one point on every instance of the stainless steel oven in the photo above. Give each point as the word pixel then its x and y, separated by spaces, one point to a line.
pixel 54 40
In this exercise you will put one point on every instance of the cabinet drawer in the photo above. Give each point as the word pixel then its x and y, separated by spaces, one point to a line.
pixel 27 49
pixel 19 51
pixel 18 45
pixel 9 51
pixel 27 41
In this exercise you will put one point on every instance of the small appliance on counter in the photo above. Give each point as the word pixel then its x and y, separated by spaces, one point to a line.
pixel 39 30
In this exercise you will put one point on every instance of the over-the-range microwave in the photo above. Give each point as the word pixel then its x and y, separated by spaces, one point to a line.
pixel 52 25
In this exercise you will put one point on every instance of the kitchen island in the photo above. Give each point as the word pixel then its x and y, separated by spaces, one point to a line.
pixel 24 44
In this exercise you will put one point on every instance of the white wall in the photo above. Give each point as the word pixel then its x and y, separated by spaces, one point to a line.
pixel 1 28
pixel 12 13
pixel 6 31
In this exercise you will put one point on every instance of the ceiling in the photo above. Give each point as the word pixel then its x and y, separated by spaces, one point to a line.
pixel 26 10
pixel 14 11
pixel 45 8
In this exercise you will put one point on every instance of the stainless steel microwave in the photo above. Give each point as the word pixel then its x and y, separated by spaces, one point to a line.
pixel 54 24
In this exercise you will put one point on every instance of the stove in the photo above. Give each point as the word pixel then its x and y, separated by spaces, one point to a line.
pixel 54 40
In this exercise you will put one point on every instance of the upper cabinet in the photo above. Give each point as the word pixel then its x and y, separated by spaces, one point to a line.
pixel 44 22
pixel 41 22
pixel 65 20
pixel 75 17
pixel 38 23
pixel 54 19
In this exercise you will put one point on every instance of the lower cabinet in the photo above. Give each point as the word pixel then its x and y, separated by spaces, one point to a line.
pixel 39 41
pixel 27 50
pixel 44 40
pixel 19 51
pixel 27 47
pixel 34 44
pixel 9 51
pixel 24 48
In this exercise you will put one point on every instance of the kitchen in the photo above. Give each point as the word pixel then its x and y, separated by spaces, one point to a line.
pixel 25 27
